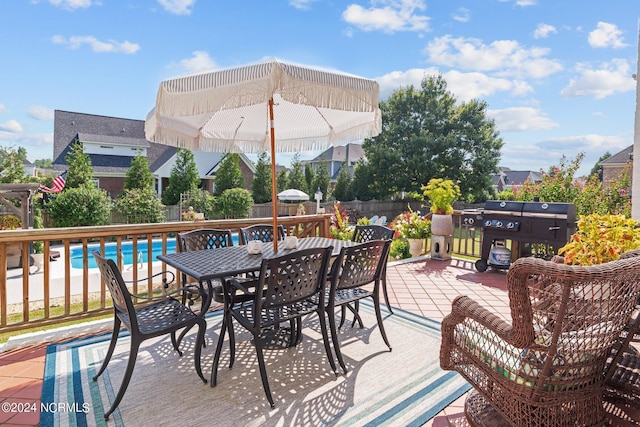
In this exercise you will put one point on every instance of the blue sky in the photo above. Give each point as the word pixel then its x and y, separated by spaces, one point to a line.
pixel 556 74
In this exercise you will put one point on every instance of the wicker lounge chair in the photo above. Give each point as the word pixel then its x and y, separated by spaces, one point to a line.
pixel 547 367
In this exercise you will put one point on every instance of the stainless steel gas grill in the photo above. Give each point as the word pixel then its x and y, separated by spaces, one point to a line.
pixel 523 223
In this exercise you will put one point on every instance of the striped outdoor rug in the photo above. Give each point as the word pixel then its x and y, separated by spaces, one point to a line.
pixel 403 387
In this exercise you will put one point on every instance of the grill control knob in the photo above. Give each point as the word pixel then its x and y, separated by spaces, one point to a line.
pixel 487 223
pixel 499 224
pixel 510 225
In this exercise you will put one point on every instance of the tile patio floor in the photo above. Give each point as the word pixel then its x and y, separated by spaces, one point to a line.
pixel 425 287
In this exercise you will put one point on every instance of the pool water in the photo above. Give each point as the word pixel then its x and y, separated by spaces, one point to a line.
pixel 110 251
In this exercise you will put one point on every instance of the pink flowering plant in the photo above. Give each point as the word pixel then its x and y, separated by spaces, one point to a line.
pixel 411 225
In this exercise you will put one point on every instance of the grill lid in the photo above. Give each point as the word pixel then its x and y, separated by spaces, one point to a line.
pixel 549 210
pixel 503 207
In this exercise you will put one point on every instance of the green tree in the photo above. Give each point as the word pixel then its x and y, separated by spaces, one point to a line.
pixel 309 179
pixel 139 175
pixel 184 178
pixel 362 185
pixel 44 163
pixel 80 172
pixel 140 206
pixel 81 206
pixel 229 174
pixel 426 134
pixel 295 178
pixel 282 180
pixel 12 165
pixel 321 181
pixel 261 186
pixel 596 170
pixel 343 190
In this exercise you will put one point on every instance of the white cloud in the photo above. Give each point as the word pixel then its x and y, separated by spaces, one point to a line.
pixel 506 57
pixel 111 46
pixel 200 61
pixel 3 109
pixel 464 86
pixel 301 4
pixel 521 3
pixel 606 35
pixel 520 119
pixel 38 145
pixel 40 112
pixel 611 78
pixel 178 7
pixel 586 142
pixel 542 154
pixel 543 31
pixel 388 16
pixel 462 15
pixel 71 4
pixel 11 126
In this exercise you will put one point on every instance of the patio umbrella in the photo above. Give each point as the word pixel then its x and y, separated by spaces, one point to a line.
pixel 293 195
pixel 240 109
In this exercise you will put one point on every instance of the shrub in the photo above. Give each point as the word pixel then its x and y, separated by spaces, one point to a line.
pixel 140 206
pixel 9 222
pixel 399 249
pixel 202 201
pixel 600 239
pixel 234 203
pixel 81 206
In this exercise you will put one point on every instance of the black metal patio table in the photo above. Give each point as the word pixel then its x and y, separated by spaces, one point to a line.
pixel 207 265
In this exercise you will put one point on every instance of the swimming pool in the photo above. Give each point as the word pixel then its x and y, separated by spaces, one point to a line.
pixel 110 251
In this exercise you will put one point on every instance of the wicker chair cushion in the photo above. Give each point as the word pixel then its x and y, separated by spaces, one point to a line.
pixel 523 366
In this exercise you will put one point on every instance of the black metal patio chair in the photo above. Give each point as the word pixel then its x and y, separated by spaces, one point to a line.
pixel 163 315
pixel 293 286
pixel 367 233
pixel 262 232
pixel 355 269
pixel 210 238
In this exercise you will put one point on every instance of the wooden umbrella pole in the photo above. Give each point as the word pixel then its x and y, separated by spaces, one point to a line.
pixel 274 189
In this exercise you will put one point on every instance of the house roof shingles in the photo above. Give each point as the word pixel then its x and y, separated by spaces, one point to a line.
pixel 114 130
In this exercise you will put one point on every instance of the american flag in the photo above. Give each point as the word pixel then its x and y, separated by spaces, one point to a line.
pixel 58 184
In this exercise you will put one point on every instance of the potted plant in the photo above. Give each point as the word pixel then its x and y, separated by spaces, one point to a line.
pixel 411 225
pixel 340 228
pixel 441 193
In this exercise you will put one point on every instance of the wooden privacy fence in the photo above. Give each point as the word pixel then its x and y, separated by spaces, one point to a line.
pixel 65 287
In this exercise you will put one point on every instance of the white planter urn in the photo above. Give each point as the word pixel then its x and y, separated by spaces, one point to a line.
pixel 441 225
pixel 416 247
pixel 38 262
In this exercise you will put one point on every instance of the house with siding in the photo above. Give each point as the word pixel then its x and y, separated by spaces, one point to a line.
pixel 113 142
pixel 613 166
pixel 337 157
